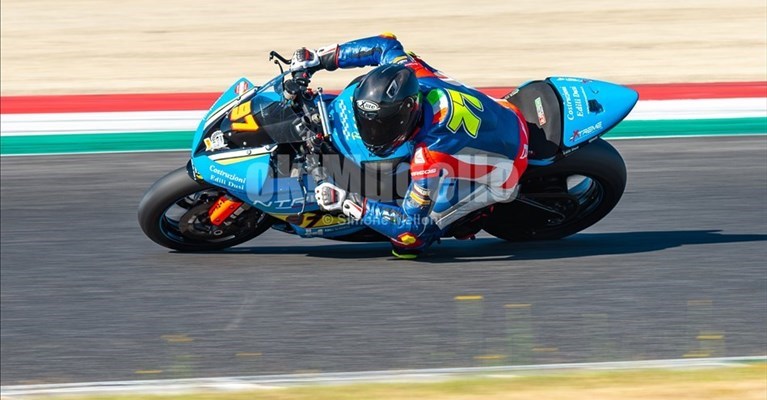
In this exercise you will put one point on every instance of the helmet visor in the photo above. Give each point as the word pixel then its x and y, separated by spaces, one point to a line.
pixel 386 149
pixel 387 129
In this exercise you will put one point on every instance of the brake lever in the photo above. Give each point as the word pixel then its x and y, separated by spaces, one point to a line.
pixel 273 54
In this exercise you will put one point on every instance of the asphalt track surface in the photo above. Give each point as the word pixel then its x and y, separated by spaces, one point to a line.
pixel 677 270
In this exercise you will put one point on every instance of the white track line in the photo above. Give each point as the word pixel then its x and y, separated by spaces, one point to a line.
pixel 242 383
pixel 100 122
pixel 698 109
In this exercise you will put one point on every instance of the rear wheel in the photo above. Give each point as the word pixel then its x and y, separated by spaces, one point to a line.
pixel 174 214
pixel 563 198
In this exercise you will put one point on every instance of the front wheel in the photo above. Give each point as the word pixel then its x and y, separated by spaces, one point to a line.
pixel 564 198
pixel 174 214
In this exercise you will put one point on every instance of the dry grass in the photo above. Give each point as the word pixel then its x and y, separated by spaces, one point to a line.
pixel 91 46
pixel 741 383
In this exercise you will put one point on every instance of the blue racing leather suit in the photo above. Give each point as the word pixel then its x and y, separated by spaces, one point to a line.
pixel 470 149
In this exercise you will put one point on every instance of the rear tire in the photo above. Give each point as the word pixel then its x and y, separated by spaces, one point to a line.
pixel 173 213
pixel 583 187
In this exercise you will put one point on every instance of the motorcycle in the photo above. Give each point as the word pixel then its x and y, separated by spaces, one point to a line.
pixel 260 151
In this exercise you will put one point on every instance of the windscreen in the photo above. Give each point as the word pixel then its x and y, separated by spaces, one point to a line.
pixel 265 117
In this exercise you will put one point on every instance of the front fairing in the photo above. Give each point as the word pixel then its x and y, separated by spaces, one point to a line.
pixel 247 172
pixel 225 102
pixel 240 92
pixel 242 170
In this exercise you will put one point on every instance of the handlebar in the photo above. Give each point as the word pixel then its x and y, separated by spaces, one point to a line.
pixel 299 84
pixel 297 90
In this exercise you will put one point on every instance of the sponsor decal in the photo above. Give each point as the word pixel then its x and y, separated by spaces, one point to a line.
pixel 368 106
pixel 568 104
pixel 439 105
pixel 418 157
pixel 425 172
pixel 539 110
pixel 420 190
pixel 227 179
pixel 215 142
pixel 287 204
pixel 578 100
pixel 241 88
pixel 573 102
pixel 419 196
pixel 309 220
pixel 586 131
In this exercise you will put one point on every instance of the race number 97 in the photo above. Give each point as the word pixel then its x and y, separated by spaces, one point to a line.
pixel 242 113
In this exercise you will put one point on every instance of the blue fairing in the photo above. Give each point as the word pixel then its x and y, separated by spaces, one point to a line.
pixel 247 173
pixel 224 102
pixel 590 108
pixel 346 137
pixel 242 172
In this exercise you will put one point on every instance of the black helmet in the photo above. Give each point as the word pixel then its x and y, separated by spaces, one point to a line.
pixel 387 107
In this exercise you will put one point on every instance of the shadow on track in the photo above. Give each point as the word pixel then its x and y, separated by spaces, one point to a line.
pixel 488 249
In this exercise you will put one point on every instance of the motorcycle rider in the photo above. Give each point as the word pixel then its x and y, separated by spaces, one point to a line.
pixel 469 149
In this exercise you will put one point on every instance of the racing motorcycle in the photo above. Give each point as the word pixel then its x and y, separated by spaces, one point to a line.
pixel 260 151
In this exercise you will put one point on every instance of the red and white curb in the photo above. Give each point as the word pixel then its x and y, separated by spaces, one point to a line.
pixel 168 121
pixel 77 114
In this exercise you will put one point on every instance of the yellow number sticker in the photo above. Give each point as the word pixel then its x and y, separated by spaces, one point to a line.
pixel 242 112
pixel 462 115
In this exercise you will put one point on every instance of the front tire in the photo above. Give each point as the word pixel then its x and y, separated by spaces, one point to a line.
pixel 174 214
pixel 578 191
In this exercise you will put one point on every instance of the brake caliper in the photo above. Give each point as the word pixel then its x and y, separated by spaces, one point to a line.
pixel 222 209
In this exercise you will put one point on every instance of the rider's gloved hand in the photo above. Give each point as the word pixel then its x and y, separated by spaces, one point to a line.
pixel 354 206
pixel 305 60
pixel 332 198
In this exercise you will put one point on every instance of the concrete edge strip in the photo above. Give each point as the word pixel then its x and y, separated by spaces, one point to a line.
pixel 242 383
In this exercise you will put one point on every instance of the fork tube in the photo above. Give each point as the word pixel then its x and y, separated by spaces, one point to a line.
pixel 323 114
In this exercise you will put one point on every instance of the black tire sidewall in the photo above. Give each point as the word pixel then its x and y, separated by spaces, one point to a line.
pixel 162 194
pixel 598 160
